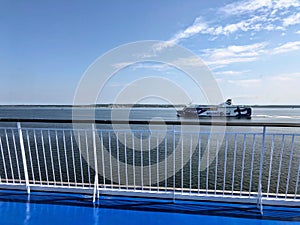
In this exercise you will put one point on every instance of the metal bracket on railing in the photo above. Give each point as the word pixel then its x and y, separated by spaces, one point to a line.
pixel 23 157
pixel 96 183
pixel 259 191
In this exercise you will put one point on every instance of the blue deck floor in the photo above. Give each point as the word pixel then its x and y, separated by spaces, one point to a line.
pixel 44 208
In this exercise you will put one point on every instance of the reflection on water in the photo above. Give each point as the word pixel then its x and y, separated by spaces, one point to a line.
pixel 28 213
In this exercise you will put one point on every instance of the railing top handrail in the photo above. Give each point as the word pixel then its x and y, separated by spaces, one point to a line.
pixel 157 122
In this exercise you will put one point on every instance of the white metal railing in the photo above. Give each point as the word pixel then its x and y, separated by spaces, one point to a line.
pixel 247 163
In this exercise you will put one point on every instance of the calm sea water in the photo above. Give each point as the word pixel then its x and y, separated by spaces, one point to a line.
pixel 260 114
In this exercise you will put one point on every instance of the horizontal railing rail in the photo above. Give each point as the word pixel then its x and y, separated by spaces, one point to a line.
pixel 162 161
pixel 203 122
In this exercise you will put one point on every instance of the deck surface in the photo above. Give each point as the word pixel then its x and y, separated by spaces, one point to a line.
pixel 49 208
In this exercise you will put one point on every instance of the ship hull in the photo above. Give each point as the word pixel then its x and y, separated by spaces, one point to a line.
pixel 203 112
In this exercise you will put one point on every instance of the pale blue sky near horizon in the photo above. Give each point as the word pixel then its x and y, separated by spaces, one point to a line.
pixel 252 47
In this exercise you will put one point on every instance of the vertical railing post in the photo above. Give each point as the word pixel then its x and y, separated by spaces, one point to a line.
pixel 174 154
pixel 96 183
pixel 23 157
pixel 259 191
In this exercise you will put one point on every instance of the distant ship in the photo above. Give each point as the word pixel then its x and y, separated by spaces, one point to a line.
pixel 225 109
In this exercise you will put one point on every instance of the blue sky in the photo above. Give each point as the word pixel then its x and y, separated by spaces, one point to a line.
pixel 252 47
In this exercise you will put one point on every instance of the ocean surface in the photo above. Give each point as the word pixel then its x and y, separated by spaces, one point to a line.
pixel 259 114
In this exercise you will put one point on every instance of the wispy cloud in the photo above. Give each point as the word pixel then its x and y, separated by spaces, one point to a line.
pixel 122 65
pixel 234 54
pixel 245 53
pixel 142 65
pixel 246 17
pixel 231 73
pixel 270 15
pixel 246 82
pixel 250 6
pixel 197 27
pixel 287 47
pixel 188 61
pixel 238 8
pixel 291 20
pixel 246 21
pixel 201 27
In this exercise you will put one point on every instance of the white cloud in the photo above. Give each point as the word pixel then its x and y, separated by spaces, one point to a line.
pixel 250 6
pixel 122 65
pixel 284 4
pixel 254 23
pixel 234 54
pixel 248 17
pixel 151 66
pixel 222 62
pixel 257 15
pixel 246 82
pixel 231 28
pixel 197 27
pixel 268 13
pixel 142 65
pixel 291 20
pixel 232 73
pixel 245 53
pixel 188 61
pixel 287 47
pixel 238 8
